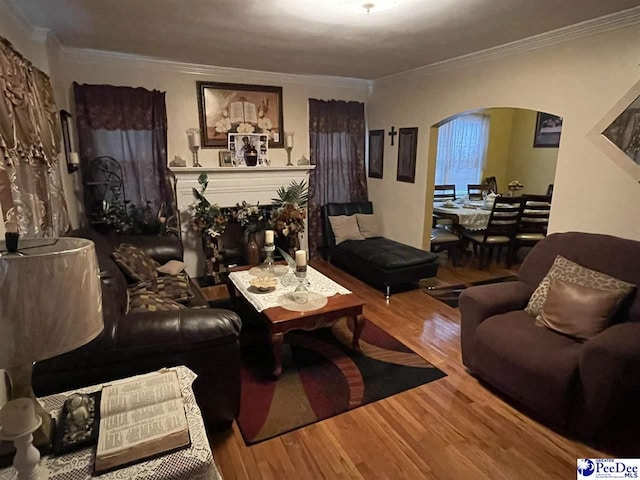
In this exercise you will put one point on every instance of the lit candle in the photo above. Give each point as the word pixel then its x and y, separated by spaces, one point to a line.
pixel 289 140
pixel 74 158
pixel 268 237
pixel 301 258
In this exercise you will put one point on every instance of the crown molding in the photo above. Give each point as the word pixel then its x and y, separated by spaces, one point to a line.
pixel 614 21
pixel 37 34
pixel 118 59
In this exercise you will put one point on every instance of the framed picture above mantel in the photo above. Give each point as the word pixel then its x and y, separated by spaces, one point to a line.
pixel 226 108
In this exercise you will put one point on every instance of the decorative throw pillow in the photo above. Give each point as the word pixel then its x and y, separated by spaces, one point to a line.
pixel 135 263
pixel 146 301
pixel 369 225
pixel 577 311
pixel 172 267
pixel 569 271
pixel 345 228
pixel 172 287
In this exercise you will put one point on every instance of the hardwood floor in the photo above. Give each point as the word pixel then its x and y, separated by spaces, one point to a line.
pixel 452 428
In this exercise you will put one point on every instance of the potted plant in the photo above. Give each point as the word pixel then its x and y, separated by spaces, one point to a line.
pixel 289 213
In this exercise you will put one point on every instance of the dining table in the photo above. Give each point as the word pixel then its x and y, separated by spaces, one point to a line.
pixel 469 215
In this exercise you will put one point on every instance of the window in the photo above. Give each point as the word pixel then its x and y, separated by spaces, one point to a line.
pixel 462 151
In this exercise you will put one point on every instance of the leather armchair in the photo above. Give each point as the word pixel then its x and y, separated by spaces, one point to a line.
pixel 202 338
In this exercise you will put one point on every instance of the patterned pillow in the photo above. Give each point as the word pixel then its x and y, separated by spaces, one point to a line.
pixel 571 272
pixel 146 301
pixel 173 287
pixel 135 263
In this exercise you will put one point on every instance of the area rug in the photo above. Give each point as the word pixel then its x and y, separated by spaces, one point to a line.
pixel 323 377
pixel 451 293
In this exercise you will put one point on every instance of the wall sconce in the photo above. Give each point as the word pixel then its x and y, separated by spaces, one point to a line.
pixel 73 159
pixel 194 144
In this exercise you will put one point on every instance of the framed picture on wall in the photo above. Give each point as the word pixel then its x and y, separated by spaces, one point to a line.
pixel 548 131
pixel 376 153
pixel 227 108
pixel 407 150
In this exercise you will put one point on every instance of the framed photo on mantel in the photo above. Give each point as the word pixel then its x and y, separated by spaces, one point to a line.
pixel 407 150
pixel 226 108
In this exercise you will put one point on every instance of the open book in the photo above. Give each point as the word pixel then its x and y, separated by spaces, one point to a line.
pixel 241 112
pixel 140 418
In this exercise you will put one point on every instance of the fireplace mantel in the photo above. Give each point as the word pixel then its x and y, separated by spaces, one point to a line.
pixel 228 187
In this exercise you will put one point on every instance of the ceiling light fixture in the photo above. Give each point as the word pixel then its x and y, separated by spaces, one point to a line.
pixel 361 6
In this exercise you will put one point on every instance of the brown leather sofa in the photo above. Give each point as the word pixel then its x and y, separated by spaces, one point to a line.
pixel 202 338
pixel 589 389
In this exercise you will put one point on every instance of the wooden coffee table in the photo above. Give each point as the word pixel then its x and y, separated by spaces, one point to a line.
pixel 280 320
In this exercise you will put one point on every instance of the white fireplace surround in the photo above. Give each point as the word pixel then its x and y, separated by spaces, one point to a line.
pixel 227 187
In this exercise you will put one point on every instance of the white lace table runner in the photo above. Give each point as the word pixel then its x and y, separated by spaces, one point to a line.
pixel 193 463
pixel 469 218
pixel 319 283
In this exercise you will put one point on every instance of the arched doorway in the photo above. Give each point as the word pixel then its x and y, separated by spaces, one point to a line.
pixel 497 145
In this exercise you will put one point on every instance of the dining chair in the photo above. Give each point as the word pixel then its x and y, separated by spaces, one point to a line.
pixel 550 190
pixel 500 230
pixel 478 191
pixel 493 183
pixel 533 221
pixel 442 239
pixel 442 193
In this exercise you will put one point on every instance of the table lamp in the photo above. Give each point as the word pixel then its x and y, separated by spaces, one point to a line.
pixel 50 303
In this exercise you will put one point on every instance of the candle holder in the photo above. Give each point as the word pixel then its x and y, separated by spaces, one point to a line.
pixel 194 144
pixel 288 149
pixel 301 293
pixel 19 422
pixel 268 262
pixel 194 150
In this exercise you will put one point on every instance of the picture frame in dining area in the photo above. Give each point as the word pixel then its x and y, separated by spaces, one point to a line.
pixel 548 131
pixel 226 108
pixel 376 153
pixel 407 151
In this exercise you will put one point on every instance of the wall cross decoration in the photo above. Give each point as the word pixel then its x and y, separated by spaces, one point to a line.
pixel 392 134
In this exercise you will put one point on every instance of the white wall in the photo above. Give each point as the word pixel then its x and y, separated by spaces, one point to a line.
pixel 579 79
pixel 179 81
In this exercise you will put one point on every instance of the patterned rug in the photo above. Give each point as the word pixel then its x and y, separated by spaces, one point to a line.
pixel 323 377
pixel 451 293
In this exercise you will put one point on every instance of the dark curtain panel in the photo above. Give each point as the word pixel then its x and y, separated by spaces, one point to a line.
pixel 31 194
pixel 130 125
pixel 337 144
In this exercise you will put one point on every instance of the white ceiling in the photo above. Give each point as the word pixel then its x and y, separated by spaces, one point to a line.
pixel 306 36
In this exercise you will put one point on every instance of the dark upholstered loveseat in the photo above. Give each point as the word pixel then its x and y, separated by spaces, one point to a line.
pixel 590 389
pixel 377 261
pixel 202 338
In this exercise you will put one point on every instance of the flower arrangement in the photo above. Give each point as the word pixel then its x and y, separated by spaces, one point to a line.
pixel 207 219
pixel 288 214
pixel 251 217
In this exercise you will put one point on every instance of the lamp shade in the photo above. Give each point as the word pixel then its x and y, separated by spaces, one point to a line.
pixel 50 299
